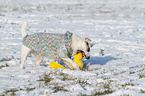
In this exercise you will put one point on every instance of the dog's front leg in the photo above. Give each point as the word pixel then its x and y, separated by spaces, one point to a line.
pixel 70 63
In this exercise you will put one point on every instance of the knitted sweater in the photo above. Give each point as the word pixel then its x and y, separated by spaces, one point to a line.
pixel 55 46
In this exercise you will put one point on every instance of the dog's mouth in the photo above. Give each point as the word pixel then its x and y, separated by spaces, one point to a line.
pixel 83 53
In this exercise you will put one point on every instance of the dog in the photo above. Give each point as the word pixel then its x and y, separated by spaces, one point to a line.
pixel 54 46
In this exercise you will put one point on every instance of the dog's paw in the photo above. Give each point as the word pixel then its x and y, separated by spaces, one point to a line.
pixel 75 66
pixel 22 67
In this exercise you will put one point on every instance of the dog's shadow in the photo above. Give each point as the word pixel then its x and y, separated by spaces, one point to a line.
pixel 99 60
pixel 96 60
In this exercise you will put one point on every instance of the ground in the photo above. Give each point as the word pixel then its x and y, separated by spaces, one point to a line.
pixel 115 26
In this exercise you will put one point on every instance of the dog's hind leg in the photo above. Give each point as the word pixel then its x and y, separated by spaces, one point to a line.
pixel 24 54
pixel 39 58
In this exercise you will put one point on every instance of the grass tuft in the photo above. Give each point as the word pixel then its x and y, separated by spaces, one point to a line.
pixel 59 88
pixel 4 66
pixel 8 59
pixel 46 78
pixel 141 76
pixel 142 91
pixel 11 92
pixel 107 89
pixel 127 84
pixel 103 92
pixel 30 89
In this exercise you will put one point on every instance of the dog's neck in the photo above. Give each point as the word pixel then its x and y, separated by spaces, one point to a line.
pixel 76 43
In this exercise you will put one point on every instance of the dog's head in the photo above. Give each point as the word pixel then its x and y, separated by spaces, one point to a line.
pixel 85 48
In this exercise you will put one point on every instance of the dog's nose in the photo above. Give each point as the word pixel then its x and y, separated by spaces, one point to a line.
pixel 88 57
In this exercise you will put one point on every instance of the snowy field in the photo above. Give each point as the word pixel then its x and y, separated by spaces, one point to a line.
pixel 116 26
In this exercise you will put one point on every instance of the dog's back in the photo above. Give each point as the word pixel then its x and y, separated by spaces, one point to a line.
pixel 48 44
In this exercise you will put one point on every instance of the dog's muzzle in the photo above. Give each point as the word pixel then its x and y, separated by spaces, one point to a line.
pixel 88 57
pixel 83 53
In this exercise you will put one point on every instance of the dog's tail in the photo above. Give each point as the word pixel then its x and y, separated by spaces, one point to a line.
pixel 24 28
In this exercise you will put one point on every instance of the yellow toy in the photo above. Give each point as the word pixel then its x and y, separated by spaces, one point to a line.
pixel 56 65
pixel 77 59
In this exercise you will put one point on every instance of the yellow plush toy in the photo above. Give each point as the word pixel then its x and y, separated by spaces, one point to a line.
pixel 56 65
pixel 77 59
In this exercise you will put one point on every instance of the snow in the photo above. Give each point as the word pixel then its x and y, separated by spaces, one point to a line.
pixel 116 26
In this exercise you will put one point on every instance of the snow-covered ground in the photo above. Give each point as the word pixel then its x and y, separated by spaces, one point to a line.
pixel 116 26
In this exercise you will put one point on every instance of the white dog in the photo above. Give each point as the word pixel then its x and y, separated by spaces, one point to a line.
pixel 54 46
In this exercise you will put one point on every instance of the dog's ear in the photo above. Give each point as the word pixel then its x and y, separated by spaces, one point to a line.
pixel 87 40
pixel 90 42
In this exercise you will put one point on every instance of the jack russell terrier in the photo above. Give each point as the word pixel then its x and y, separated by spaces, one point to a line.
pixel 54 46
